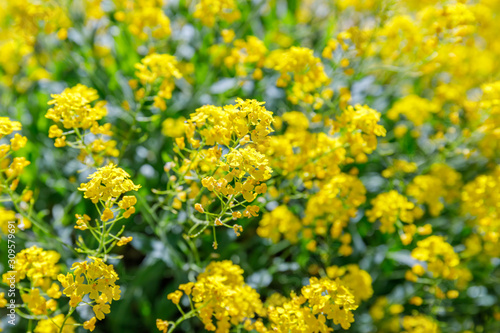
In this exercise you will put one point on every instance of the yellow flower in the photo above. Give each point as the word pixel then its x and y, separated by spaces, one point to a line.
pixel 390 207
pixel 107 215
pixel 72 107
pixel 442 261
pixel 299 67
pixel 37 265
pixel 220 292
pixel 124 240
pixel 53 325
pixel 90 324
pixel 18 142
pixel 95 279
pixel 210 11
pixel 280 222
pixel 420 323
pixel 162 325
pixel 175 297
pixel 322 299
pixel 162 69
pixel 415 108
pixel 8 126
pixel 108 182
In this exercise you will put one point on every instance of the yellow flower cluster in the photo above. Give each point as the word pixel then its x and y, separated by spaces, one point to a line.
pixel 247 53
pixel 145 18
pixel 359 128
pixel 10 170
pixel 441 185
pixel 489 111
pixel 419 324
pixel 357 280
pixel 242 170
pixel 73 109
pixel 442 261
pixel 220 292
pixel 106 185
pixel 480 199
pixel 305 154
pixel 7 216
pixel 95 279
pixel 211 11
pixel 53 325
pixel 37 265
pixel 331 208
pixel 416 109
pixel 157 69
pixel 40 267
pixel 391 207
pixel 325 298
pixel 299 68
pixel 399 166
pixel 21 24
pixel 231 123
pixel 280 222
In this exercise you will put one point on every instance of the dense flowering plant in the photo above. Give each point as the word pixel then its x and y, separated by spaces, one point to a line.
pixel 250 166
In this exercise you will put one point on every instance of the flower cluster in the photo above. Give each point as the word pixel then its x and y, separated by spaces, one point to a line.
pixel 280 222
pixel 331 208
pixel 145 19
pixel 440 185
pixel 40 268
pixel 299 68
pixel 416 109
pixel 211 11
pixel 74 111
pixel 357 280
pixel 419 323
pixel 359 128
pixel 221 292
pixel 11 169
pixel 157 70
pixel 442 261
pixel 235 175
pixel 107 187
pixel 95 280
pixel 247 53
pixel 320 300
pixel 391 207
pixel 480 199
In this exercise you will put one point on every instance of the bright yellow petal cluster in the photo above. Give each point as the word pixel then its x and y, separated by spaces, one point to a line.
pixel 95 279
pixel 108 183
pixel 161 69
pixel 37 265
pixel 73 109
pixel 220 292
pixel 442 261
pixel 357 280
pixel 390 207
pixel 420 324
pixel 302 70
pixel 211 11
pixel 325 298
pixel 53 325
pixel 281 222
